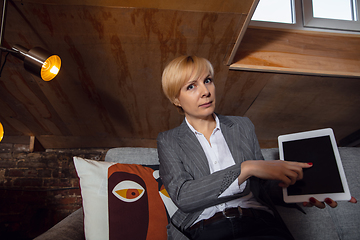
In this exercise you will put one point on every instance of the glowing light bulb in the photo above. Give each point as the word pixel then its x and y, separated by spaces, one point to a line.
pixel 54 70
pixel 50 68
pixel 1 132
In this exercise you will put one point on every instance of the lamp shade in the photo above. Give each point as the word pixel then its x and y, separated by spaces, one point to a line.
pixel 1 132
pixel 39 62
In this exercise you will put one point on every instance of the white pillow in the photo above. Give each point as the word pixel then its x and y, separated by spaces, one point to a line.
pixel 125 219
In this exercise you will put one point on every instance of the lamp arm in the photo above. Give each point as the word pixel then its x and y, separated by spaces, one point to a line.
pixel 2 27
pixel 9 50
pixel 16 53
pixel 2 21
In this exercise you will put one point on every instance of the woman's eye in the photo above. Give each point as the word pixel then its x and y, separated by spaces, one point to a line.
pixel 190 87
pixel 208 80
pixel 128 191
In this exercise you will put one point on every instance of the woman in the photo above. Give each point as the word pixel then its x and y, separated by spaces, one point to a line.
pixel 212 166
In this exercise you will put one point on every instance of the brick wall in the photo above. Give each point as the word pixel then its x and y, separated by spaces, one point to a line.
pixel 39 189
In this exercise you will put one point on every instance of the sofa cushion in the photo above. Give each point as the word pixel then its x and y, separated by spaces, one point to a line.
pixel 137 155
pixel 122 201
pixel 70 228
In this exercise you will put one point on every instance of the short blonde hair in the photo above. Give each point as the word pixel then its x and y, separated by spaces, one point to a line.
pixel 179 71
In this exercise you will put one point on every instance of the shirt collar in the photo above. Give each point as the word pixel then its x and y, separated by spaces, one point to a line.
pixel 196 132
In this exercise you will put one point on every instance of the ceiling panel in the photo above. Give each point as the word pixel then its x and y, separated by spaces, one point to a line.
pixel 109 85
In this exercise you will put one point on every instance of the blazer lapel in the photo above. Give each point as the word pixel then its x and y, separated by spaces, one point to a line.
pixel 192 148
pixel 231 135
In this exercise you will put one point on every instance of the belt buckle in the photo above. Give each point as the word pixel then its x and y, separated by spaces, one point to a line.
pixel 232 215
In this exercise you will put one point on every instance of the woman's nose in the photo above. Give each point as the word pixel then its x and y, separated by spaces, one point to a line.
pixel 205 91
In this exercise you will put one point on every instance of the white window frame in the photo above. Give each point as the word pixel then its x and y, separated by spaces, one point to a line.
pixel 310 24
pixel 310 21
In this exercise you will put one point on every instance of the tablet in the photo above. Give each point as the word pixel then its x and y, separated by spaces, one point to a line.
pixel 326 178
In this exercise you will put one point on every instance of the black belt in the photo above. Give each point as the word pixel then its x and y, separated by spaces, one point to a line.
pixel 229 213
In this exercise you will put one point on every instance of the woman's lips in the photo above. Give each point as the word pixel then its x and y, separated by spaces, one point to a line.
pixel 208 104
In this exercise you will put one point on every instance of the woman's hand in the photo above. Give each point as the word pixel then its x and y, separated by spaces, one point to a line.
pixel 284 171
pixel 314 202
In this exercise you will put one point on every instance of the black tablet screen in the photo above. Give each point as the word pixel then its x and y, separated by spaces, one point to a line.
pixel 323 176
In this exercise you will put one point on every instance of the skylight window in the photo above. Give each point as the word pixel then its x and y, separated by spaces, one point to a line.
pixel 331 14
pixel 314 15
pixel 274 11
pixel 333 9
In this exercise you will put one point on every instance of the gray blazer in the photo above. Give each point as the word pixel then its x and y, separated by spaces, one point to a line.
pixel 185 172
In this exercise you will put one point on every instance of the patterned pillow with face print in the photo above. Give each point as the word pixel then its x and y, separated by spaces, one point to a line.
pixel 134 191
pixel 123 201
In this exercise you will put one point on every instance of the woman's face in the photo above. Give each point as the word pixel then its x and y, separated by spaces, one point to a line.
pixel 197 97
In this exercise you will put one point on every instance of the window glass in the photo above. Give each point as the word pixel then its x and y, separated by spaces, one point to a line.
pixel 310 15
pixel 274 11
pixel 333 9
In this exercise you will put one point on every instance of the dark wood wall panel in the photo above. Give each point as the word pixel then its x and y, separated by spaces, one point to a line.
pixel 293 103
pixel 235 6
pixel 109 85
pixel 240 90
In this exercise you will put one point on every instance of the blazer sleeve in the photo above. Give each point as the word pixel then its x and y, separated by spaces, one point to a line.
pixel 189 190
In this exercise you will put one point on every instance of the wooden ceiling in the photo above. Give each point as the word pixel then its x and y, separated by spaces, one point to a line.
pixel 108 92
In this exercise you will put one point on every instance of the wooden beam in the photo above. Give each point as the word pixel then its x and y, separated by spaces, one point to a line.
pixel 24 140
pixel 301 71
pixel 231 6
pixel 299 52
pixel 35 145
pixel 66 142
pixel 229 60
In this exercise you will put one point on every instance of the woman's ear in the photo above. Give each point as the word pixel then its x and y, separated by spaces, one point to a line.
pixel 177 102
